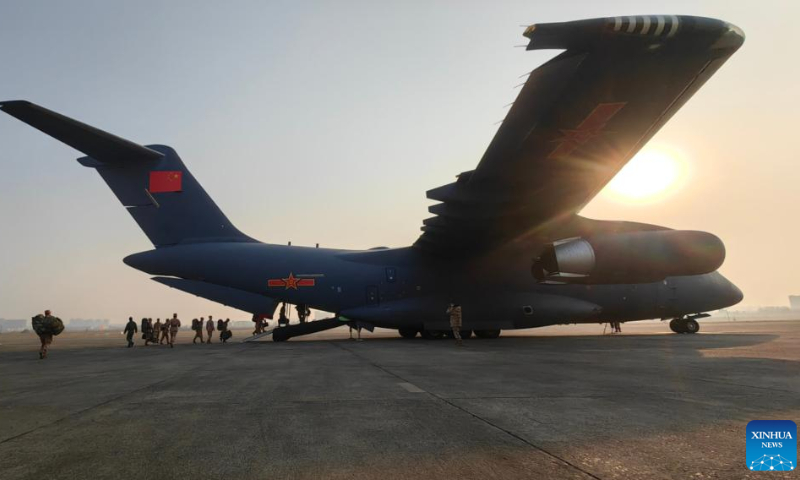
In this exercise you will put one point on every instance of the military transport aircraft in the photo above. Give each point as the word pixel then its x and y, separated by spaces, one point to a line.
pixel 505 240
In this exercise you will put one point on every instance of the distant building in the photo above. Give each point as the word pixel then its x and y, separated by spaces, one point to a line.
pixel 794 302
pixel 13 325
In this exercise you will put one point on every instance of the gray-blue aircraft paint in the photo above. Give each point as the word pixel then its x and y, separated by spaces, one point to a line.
pixel 506 242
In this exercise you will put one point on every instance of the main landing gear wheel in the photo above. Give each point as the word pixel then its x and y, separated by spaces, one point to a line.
pixel 691 326
pixel 432 334
pixel 684 325
pixel 676 325
pixel 487 333
pixel 408 332
pixel 464 334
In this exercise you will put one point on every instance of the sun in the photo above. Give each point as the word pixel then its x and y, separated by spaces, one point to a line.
pixel 653 173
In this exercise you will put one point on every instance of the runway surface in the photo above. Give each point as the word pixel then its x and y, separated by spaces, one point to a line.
pixel 561 402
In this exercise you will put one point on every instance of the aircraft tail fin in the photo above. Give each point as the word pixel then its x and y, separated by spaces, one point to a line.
pixel 152 181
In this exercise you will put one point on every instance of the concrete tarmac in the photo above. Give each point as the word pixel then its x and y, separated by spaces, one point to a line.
pixel 560 402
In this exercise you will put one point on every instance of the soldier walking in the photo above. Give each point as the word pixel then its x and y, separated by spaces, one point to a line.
pixel 224 333
pixel 156 330
pixel 164 332
pixel 174 325
pixel 209 328
pixel 43 326
pixel 148 332
pixel 454 310
pixel 130 330
pixel 197 326
pixel 258 320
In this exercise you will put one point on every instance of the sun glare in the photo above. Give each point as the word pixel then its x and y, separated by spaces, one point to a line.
pixel 652 174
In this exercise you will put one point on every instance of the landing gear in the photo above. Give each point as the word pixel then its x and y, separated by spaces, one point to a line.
pixel 691 326
pixel 464 334
pixel 440 334
pixel 408 332
pixel 684 325
pixel 676 325
pixel 487 333
pixel 432 334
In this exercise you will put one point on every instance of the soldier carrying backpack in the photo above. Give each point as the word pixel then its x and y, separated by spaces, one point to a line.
pixel 224 333
pixel 46 326
pixel 197 326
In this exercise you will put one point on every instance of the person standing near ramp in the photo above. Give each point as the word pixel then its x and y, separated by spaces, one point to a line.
pixel 209 328
pixel 454 310
pixel 156 331
pixel 130 330
pixel 164 332
pixel 224 333
pixel 143 325
pixel 148 333
pixel 174 325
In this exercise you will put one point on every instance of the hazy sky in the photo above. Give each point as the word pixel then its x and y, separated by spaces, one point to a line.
pixel 327 122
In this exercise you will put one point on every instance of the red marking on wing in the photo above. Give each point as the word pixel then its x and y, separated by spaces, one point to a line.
pixel 592 126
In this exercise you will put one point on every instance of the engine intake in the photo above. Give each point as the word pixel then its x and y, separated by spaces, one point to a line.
pixel 632 257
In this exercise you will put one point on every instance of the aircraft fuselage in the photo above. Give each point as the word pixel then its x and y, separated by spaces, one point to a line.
pixel 401 288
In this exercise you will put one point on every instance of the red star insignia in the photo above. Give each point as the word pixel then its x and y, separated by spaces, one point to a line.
pixel 290 282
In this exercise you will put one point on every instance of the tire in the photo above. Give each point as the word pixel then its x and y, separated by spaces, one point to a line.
pixel 677 325
pixel 432 334
pixel 408 332
pixel 487 333
pixel 691 326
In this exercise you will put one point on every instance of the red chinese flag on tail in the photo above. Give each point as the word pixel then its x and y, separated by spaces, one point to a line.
pixel 165 181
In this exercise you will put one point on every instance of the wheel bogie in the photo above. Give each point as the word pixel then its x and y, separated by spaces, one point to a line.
pixel 487 333
pixel 684 325
pixel 408 332
pixel 432 334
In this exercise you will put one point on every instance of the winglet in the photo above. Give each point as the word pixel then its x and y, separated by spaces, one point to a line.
pixel 101 146
pixel 646 30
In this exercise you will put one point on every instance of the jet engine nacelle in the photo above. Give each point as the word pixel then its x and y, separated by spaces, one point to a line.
pixel 631 257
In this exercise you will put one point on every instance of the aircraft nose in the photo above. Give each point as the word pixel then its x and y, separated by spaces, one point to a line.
pixel 733 294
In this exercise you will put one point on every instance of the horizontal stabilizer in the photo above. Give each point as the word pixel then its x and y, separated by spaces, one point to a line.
pixel 100 145
pixel 230 297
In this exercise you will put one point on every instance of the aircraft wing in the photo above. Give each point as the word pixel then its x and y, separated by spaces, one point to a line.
pixel 576 122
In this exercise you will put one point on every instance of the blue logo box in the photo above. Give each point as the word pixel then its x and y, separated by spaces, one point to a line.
pixel 771 445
